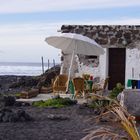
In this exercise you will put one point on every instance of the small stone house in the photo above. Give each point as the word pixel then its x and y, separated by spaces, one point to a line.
pixel 121 43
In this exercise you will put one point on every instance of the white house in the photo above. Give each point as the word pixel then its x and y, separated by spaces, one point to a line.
pixel 121 43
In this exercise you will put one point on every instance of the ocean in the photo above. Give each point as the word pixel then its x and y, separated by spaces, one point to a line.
pixel 20 68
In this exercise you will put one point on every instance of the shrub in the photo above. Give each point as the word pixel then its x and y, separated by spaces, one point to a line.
pixel 116 90
pixel 55 102
pixel 17 95
pixel 98 104
pixel 124 118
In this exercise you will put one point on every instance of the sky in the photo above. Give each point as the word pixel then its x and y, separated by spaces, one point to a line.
pixel 24 24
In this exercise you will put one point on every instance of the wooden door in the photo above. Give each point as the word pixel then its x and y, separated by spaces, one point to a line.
pixel 117 61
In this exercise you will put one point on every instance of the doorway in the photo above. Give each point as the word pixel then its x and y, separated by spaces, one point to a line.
pixel 116 71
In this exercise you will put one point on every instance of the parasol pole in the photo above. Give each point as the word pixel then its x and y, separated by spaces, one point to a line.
pixel 72 57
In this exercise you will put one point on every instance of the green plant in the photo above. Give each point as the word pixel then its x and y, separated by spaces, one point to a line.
pixel 99 103
pixel 86 76
pixel 18 94
pixel 55 102
pixel 126 120
pixel 116 90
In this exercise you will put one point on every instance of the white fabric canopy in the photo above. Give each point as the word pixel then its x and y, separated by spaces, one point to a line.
pixel 69 42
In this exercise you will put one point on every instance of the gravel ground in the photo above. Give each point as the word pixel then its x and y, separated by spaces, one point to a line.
pixel 43 128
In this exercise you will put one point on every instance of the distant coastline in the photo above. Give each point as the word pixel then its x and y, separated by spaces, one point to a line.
pixel 22 68
pixel 24 63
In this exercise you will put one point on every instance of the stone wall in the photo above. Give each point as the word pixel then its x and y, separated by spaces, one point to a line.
pixel 131 101
pixel 107 36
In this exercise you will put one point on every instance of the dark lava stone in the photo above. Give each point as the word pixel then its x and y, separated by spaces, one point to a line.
pixel 9 100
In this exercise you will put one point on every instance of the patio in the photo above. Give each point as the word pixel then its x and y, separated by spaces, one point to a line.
pixel 44 97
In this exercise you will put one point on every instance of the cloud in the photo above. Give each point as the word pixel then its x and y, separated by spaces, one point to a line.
pixel 30 6
pixel 33 34
pixel 120 21
pixel 25 42
pixel 27 28
pixel 37 30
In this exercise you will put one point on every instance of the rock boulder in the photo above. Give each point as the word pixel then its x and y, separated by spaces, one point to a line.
pixel 132 101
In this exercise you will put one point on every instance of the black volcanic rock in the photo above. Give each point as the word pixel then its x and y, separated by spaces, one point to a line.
pixel 7 115
pixel 10 82
pixel 48 76
pixel 9 100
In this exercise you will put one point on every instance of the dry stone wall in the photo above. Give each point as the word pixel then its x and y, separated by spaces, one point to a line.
pixel 108 36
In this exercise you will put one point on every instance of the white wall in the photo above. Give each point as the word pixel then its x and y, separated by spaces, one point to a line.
pixel 103 62
pixel 132 62
pixel 100 71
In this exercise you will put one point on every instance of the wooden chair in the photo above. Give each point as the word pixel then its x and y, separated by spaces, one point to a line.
pixel 100 88
pixel 79 86
pixel 60 83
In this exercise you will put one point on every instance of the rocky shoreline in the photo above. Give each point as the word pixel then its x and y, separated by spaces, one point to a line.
pixel 11 84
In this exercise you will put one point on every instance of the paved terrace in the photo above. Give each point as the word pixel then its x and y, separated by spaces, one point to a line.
pixel 44 97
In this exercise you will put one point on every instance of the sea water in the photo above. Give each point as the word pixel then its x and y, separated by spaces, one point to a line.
pixel 20 68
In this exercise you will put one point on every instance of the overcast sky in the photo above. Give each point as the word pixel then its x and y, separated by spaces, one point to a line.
pixel 24 24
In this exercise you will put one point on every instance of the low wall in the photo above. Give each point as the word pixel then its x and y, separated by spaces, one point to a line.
pixel 132 101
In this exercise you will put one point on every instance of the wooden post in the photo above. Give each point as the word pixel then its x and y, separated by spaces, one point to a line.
pixel 42 65
pixel 48 64
pixel 53 62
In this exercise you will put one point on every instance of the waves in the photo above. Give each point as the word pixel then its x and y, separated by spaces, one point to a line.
pixel 17 68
